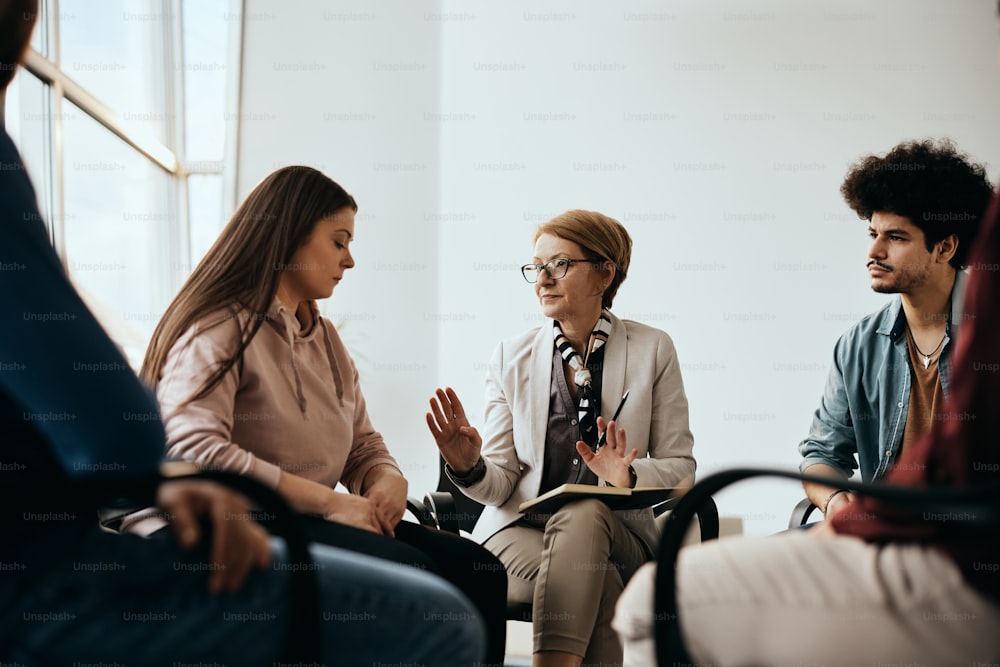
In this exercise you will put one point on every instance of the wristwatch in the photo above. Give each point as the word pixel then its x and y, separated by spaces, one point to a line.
pixel 633 478
pixel 468 479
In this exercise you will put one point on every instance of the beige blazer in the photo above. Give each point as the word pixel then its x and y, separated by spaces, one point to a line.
pixel 638 358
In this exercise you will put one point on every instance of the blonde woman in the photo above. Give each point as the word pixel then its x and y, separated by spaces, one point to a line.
pixel 547 390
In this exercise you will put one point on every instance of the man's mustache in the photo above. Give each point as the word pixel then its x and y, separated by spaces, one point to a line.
pixel 879 264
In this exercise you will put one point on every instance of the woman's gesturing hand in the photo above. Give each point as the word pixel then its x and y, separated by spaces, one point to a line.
pixel 610 462
pixel 459 443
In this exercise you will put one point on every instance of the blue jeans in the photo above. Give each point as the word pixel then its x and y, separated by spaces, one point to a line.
pixel 124 599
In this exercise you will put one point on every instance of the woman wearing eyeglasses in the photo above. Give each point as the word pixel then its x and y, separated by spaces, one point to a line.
pixel 547 392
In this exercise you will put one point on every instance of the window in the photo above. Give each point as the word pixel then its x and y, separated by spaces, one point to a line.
pixel 125 116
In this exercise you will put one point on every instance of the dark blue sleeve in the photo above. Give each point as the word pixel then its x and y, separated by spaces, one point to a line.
pixel 64 385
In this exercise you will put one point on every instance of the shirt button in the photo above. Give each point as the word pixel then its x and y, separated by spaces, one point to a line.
pixel 899 405
pixel 572 421
pixel 576 461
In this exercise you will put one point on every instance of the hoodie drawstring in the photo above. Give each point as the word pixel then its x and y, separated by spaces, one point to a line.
pixel 289 334
pixel 333 365
pixel 299 394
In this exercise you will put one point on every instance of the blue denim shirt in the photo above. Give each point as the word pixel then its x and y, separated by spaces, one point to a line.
pixel 867 394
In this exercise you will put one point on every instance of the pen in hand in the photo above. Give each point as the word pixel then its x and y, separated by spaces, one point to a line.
pixel 618 411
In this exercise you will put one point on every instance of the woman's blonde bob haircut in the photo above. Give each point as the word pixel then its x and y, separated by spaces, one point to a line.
pixel 603 239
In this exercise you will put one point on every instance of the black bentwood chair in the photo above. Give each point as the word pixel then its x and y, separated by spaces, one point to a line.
pixel 977 507
pixel 304 643
pixel 801 513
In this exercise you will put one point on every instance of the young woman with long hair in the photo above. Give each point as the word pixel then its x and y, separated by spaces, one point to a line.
pixel 252 379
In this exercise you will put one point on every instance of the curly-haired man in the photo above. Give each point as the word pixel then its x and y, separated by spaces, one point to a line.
pixel 923 201
pixel 871 585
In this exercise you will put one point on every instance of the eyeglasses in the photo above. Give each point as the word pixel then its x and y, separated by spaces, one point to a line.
pixel 556 268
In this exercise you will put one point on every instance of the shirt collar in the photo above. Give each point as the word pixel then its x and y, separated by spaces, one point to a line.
pixel 894 319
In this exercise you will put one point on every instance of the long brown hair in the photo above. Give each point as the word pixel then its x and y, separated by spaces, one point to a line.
pixel 243 267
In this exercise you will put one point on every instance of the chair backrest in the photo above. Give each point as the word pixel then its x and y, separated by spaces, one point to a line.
pixel 977 507
pixel 465 512
pixel 801 513
pixel 304 642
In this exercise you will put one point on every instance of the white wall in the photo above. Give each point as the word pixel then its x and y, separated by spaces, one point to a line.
pixel 345 89
pixel 717 131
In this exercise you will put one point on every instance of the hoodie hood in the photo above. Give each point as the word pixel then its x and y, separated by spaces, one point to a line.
pixel 287 325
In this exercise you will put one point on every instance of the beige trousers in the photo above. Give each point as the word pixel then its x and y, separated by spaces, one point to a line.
pixel 795 599
pixel 572 567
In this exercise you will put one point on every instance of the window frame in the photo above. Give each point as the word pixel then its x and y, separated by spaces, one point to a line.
pixel 167 156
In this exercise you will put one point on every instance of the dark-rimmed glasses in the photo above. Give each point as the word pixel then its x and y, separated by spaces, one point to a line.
pixel 556 268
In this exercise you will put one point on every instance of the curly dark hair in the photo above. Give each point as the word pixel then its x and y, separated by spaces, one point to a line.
pixel 932 184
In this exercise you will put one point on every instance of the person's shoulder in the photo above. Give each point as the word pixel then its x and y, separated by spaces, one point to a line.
pixel 633 326
pixel 10 158
pixel 517 349
pixel 220 326
pixel 20 210
pixel 13 168
pixel 231 315
pixel 880 321
pixel 642 332
pixel 521 340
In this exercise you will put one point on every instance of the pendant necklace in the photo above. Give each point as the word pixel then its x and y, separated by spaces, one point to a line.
pixel 926 357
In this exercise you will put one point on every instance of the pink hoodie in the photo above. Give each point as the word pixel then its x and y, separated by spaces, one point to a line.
pixel 294 403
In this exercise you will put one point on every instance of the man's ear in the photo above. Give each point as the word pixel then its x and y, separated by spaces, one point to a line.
pixel 947 247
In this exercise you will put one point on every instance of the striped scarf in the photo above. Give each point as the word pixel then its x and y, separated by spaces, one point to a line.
pixel 586 408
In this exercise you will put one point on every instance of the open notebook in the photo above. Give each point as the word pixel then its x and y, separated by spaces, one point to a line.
pixel 614 497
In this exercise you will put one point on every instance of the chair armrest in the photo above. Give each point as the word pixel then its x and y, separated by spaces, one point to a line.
pixel 421 512
pixel 708 520
pixel 707 514
pixel 443 509
pixel 304 642
pixel 800 515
